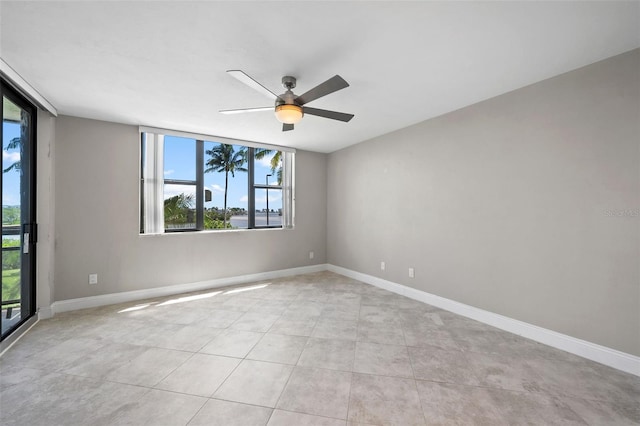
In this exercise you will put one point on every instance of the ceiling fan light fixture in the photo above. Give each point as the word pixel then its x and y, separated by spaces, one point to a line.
pixel 290 108
pixel 289 114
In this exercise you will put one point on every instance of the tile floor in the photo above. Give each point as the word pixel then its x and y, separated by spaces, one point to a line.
pixel 315 349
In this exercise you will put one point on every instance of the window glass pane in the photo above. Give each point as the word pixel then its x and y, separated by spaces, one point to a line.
pixel 12 139
pixel 179 206
pixel 11 289
pixel 226 186
pixel 179 158
pixel 268 167
pixel 268 207
pixel 15 136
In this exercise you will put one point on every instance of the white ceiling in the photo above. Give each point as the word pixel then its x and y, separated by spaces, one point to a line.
pixel 163 64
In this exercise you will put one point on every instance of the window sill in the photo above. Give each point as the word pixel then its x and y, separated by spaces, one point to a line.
pixel 212 231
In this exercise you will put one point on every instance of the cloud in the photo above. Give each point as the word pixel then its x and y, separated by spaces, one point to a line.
pixel 265 161
pixel 271 198
pixel 217 188
pixel 10 156
pixel 169 172
pixel 262 200
pixel 9 200
pixel 173 190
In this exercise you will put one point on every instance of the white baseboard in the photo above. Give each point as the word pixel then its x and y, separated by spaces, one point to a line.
pixel 602 354
pixel 45 312
pixel 129 296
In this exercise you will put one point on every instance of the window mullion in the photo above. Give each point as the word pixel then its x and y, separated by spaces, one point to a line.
pixel 251 207
pixel 200 185
pixel 143 137
pixel 259 186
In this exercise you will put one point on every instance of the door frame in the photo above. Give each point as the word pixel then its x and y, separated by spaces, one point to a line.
pixel 28 269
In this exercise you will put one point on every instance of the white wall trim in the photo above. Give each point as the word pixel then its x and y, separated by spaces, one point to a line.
pixel 45 312
pixel 602 354
pixel 129 296
pixel 228 141
pixel 28 90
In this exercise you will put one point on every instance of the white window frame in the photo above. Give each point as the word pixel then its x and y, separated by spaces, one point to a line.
pixel 152 178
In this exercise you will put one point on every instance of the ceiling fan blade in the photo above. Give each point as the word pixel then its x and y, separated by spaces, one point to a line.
pixel 334 115
pixel 334 84
pixel 241 76
pixel 286 127
pixel 238 111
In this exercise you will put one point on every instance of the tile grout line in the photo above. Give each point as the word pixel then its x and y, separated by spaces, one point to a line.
pixel 293 369
pixel 413 372
pixel 355 351
pixel 546 395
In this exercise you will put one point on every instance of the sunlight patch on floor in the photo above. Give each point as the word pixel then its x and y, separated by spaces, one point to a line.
pixel 190 298
pixel 240 290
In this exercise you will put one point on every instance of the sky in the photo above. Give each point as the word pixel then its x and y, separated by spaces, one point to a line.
pixel 179 163
pixel 10 180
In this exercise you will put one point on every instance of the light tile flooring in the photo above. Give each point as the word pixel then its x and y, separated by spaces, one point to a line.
pixel 316 349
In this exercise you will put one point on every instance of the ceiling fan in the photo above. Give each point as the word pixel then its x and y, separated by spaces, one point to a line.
pixel 289 107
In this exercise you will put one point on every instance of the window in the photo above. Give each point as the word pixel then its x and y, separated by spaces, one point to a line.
pixel 180 184
pixel 194 182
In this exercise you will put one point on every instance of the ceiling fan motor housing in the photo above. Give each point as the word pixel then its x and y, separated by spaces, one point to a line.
pixel 287 97
pixel 289 82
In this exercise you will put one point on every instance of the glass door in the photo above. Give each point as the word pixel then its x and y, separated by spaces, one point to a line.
pixel 18 210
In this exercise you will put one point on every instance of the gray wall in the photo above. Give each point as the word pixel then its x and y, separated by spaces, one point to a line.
pixel 505 205
pixel 96 221
pixel 45 210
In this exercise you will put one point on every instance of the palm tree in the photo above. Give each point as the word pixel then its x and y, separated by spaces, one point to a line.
pixel 223 158
pixel 16 143
pixel 13 144
pixel 176 209
pixel 275 162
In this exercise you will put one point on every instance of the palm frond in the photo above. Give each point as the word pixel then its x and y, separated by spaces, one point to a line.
pixel 17 166
pixel 14 143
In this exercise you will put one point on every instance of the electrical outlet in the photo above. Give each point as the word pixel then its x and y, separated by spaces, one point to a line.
pixel 382 266
pixel 93 279
pixel 311 255
pixel 412 273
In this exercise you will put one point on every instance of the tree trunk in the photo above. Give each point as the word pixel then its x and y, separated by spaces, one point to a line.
pixel 226 186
